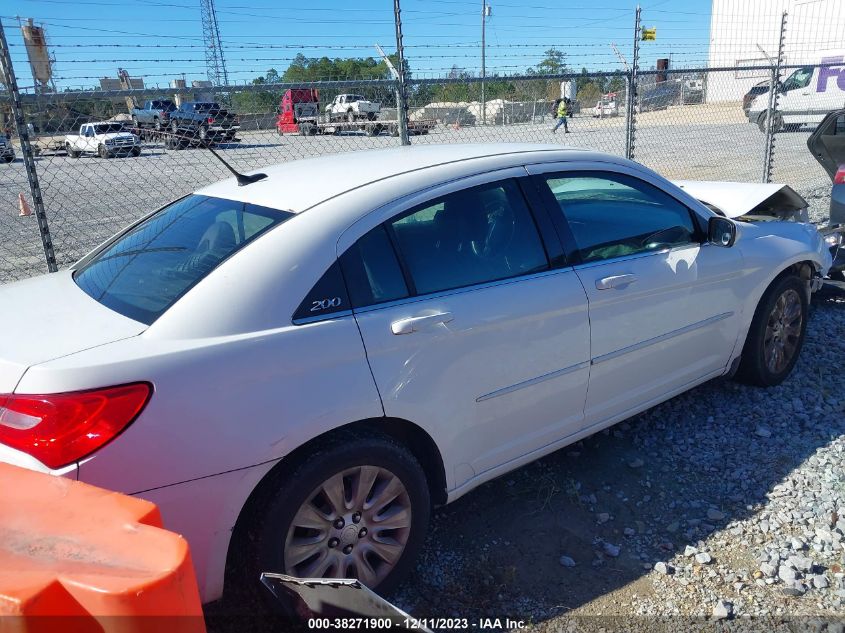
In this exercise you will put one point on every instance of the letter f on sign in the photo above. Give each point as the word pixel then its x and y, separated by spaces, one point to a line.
pixel 826 72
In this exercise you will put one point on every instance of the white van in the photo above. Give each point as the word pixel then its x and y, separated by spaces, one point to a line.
pixel 806 96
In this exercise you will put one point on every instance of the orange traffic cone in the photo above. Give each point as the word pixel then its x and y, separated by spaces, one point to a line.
pixel 23 206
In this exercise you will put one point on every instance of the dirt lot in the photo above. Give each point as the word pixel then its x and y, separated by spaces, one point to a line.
pixel 88 199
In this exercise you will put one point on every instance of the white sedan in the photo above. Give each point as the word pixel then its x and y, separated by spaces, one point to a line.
pixel 297 369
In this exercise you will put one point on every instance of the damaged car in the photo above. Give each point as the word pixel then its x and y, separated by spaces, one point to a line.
pixel 296 369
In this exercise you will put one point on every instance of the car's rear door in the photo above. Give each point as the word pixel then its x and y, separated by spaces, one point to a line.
pixel 470 331
pixel 827 142
pixel 663 303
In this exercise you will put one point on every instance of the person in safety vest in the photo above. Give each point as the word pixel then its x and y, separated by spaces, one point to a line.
pixel 562 112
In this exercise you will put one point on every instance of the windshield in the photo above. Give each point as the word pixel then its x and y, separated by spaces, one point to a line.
pixel 109 128
pixel 168 106
pixel 206 106
pixel 146 270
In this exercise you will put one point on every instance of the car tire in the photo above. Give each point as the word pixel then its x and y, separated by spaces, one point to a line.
pixel 102 152
pixel 71 152
pixel 346 460
pixel 136 151
pixel 837 275
pixel 776 335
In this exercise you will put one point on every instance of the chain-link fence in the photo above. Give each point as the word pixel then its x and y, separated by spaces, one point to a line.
pixel 103 158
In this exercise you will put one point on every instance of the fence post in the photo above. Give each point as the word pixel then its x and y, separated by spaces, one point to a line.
pixel 631 97
pixel 772 110
pixel 402 106
pixel 26 150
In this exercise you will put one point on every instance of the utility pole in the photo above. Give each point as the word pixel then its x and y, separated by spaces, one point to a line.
pixel 402 91
pixel 486 11
pixel 774 95
pixel 7 78
pixel 215 65
pixel 631 115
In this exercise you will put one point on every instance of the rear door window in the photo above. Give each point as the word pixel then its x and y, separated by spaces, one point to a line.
pixel 145 271
pixel 474 236
pixel 372 271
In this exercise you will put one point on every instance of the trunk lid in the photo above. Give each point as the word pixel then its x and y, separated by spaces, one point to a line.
pixel 48 317
pixel 737 199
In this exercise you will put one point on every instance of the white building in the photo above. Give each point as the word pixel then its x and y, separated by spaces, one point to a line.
pixel 747 33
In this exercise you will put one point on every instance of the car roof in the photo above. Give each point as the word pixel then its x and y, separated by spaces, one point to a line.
pixel 301 184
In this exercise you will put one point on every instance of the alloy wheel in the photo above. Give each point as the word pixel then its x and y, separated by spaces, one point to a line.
pixel 783 331
pixel 355 524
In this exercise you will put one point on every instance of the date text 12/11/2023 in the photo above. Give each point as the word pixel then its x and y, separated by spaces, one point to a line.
pixel 415 624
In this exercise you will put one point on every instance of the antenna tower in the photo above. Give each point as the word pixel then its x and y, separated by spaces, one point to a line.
pixel 214 63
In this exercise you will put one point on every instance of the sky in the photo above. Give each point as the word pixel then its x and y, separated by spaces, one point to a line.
pixel 161 39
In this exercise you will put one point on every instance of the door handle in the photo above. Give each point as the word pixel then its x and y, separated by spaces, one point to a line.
pixel 414 324
pixel 615 281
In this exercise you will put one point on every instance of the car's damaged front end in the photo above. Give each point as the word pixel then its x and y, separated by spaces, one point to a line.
pixel 774 204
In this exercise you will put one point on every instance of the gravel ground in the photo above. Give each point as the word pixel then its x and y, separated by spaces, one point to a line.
pixel 725 503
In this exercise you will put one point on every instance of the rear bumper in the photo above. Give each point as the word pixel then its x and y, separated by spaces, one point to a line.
pixel 18 458
pixel 837 205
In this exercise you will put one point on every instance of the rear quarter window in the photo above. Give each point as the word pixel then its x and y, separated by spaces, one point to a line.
pixel 146 270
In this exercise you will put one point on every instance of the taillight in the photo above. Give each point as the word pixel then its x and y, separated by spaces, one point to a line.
pixel 839 178
pixel 210 119
pixel 59 429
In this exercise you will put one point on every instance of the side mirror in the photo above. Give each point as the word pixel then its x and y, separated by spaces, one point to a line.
pixel 721 232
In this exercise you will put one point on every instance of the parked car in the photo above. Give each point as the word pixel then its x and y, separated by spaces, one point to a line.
pixel 827 144
pixel 606 106
pixel 155 114
pixel 352 108
pixel 753 92
pixel 806 96
pixel 106 139
pixel 296 369
pixel 204 121
pixel 7 152
pixel 659 96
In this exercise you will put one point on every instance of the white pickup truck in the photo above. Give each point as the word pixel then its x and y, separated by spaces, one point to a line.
pixel 106 139
pixel 352 108
pixel 7 152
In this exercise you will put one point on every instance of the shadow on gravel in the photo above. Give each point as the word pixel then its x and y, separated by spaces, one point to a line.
pixel 626 498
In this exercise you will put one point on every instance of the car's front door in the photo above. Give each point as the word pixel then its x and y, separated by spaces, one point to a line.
pixel 469 331
pixel 89 143
pixel 662 302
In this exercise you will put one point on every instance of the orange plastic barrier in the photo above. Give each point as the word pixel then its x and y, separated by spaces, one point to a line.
pixel 78 558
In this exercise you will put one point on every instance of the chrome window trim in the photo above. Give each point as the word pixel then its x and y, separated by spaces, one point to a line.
pixel 625 258
pixel 323 317
pixel 464 289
